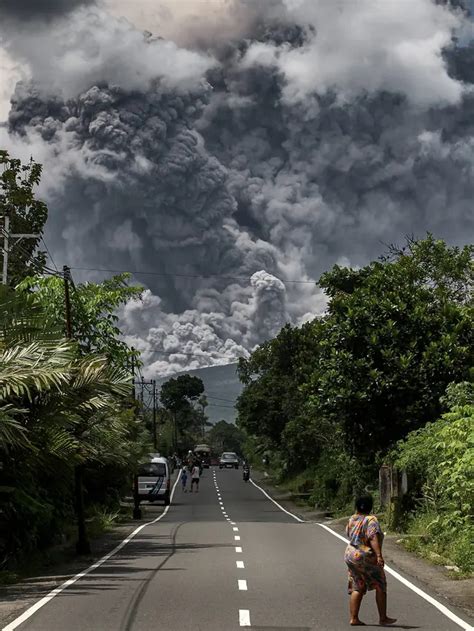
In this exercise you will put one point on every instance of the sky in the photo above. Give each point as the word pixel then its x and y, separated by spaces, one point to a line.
pixel 228 152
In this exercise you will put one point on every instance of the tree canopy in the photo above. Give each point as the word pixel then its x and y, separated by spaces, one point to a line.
pixel 372 368
pixel 94 309
pixel 224 436
pixel 27 215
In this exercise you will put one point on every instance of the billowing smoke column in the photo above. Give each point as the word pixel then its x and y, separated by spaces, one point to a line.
pixel 231 171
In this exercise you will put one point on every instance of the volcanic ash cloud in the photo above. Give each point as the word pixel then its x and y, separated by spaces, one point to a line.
pixel 237 172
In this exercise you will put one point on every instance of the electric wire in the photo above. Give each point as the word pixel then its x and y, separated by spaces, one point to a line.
pixel 172 275
pixel 18 246
pixel 212 356
pixel 49 254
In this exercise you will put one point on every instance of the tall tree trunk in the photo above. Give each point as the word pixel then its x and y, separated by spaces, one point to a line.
pixel 82 545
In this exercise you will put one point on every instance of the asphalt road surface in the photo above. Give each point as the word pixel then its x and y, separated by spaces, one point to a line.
pixel 220 559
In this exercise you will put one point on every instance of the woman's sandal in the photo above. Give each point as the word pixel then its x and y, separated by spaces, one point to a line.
pixel 387 621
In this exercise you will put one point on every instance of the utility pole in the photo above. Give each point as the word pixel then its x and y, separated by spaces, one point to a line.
pixel 67 301
pixel 175 431
pixel 6 245
pixel 82 544
pixel 133 372
pixel 145 385
pixel 141 392
pixel 154 414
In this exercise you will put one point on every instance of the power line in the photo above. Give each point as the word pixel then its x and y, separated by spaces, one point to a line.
pixel 212 356
pixel 165 274
pixel 27 254
pixel 216 405
pixel 49 253
pixel 219 399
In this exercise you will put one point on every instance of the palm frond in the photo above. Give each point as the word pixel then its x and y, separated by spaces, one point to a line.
pixel 96 374
pixel 38 366
pixel 12 432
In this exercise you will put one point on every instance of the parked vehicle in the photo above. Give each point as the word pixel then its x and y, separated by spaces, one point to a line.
pixel 154 480
pixel 229 459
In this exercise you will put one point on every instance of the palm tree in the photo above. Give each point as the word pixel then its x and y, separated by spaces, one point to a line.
pixel 45 382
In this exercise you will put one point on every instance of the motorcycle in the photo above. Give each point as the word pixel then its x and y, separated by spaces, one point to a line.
pixel 246 474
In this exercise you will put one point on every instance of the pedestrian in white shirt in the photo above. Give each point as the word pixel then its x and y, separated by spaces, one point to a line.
pixel 195 474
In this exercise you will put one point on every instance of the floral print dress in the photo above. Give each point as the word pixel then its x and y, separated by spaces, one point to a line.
pixel 364 573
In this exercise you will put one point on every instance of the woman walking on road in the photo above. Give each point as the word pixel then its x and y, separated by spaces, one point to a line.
pixel 365 561
pixel 195 474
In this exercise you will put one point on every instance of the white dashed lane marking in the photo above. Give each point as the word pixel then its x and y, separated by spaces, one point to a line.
pixel 244 614
pixel 244 618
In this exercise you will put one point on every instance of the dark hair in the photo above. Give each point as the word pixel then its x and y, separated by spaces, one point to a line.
pixel 364 504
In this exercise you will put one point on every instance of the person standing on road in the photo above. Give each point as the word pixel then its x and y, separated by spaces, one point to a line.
pixel 190 459
pixel 365 562
pixel 184 478
pixel 195 475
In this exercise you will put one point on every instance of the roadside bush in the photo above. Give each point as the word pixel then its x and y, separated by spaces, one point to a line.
pixel 339 478
pixel 440 457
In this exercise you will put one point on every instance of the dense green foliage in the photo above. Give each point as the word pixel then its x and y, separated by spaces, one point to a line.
pixel 440 458
pixel 59 409
pixel 333 397
pixel 224 436
pixel 93 311
pixel 182 398
pixel 27 215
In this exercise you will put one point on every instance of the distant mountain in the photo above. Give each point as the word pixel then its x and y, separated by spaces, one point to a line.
pixel 221 382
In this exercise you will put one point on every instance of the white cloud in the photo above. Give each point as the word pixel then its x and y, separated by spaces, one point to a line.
pixel 367 46
pixel 188 22
pixel 90 46
pixel 10 73
pixel 215 332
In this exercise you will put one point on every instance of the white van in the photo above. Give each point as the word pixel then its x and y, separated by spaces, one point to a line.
pixel 154 480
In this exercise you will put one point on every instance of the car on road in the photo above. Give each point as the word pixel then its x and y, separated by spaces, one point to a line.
pixel 154 480
pixel 229 459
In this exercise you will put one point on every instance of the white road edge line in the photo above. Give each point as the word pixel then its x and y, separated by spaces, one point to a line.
pixel 240 565
pixel 242 585
pixel 41 603
pixel 444 610
pixel 244 618
pixel 276 503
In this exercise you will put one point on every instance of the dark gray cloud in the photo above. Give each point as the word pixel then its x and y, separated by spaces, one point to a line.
pixel 250 164
pixel 34 9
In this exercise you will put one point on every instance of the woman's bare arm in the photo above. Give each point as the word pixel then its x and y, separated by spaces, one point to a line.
pixel 376 546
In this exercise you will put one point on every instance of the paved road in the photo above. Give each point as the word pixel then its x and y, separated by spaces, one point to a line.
pixel 183 574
